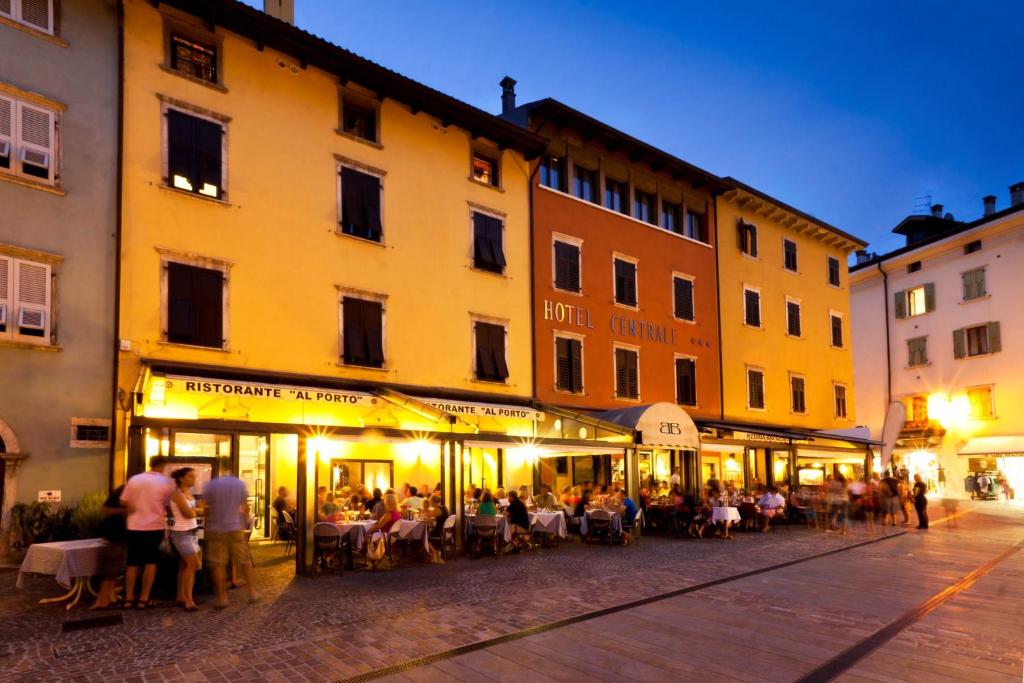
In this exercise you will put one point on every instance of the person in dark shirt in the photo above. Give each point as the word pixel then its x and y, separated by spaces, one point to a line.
pixel 920 502
pixel 519 518
pixel 581 507
pixel 112 529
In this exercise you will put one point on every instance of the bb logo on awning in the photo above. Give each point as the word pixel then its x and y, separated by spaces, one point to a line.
pixel 670 428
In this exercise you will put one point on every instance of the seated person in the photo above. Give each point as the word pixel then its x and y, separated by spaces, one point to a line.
pixel 487 507
pixel 524 496
pixel 500 497
pixel 546 500
pixel 771 504
pixel 329 507
pixel 283 504
pixel 580 509
pixel 628 507
pixel 414 501
pixel 519 518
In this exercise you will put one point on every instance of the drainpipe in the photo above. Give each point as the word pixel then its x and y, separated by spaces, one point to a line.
pixel 119 183
pixel 533 284
pixel 718 304
pixel 888 352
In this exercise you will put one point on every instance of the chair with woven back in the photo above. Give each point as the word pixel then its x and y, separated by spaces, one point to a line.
pixel 285 531
pixel 327 546
pixel 447 537
pixel 599 526
pixel 484 533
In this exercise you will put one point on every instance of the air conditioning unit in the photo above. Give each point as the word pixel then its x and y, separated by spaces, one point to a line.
pixel 3 314
pixel 31 319
pixel 5 151
pixel 36 158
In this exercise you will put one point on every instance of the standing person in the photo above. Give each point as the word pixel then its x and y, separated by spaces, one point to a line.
pixel 921 502
pixel 676 478
pixel 227 507
pixel 282 504
pixel 890 493
pixel 111 529
pixel 904 490
pixel 839 505
pixel 713 483
pixel 145 495
pixel 183 534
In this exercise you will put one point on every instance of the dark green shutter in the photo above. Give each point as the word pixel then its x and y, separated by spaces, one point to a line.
pixel 959 343
pixel 929 296
pixel 995 342
pixel 900 304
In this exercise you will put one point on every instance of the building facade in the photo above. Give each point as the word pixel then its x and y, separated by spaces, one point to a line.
pixel 58 165
pixel 787 361
pixel 326 267
pixel 936 322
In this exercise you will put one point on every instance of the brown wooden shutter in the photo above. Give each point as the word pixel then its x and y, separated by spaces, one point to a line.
pixel 487 248
pixel 793 318
pixel 929 296
pixel 752 313
pixel 373 323
pixel 995 342
pixel 683 298
pixel 959 343
pixel 209 145
pixel 181 144
pixel 360 204
pixel 208 289
pixel 180 310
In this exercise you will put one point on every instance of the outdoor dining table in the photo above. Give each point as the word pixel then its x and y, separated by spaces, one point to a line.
pixel 616 523
pixel 725 515
pixel 72 563
pixel 548 523
pixel 412 530
pixel 504 531
pixel 357 531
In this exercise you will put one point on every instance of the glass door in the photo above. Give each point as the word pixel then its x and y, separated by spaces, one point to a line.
pixel 253 463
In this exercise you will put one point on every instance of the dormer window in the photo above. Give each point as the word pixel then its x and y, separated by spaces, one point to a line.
pixel 194 59
pixel 485 169
pixel 360 116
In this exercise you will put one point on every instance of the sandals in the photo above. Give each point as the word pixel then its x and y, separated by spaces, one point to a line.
pixel 146 604
pixel 190 608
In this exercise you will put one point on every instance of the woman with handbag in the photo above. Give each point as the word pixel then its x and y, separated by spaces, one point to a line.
pixel 377 548
pixel 183 534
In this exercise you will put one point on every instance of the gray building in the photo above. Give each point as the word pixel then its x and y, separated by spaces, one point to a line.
pixel 58 189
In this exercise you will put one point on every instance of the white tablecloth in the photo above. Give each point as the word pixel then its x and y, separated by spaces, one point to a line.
pixel 411 530
pixel 616 522
pixel 70 560
pixel 725 514
pixel 548 523
pixel 504 530
pixel 357 531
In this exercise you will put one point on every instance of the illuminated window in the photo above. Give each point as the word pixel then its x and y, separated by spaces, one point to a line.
pixel 195 148
pixel 485 169
pixel 980 399
pixel 194 59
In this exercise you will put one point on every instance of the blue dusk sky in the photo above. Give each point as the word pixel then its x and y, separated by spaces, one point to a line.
pixel 852 111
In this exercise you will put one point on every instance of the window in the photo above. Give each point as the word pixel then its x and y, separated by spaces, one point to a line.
pixel 917 351
pixel 362 336
pixel 615 196
pixel 569 364
pixel 748 239
pixel 840 392
pixel 28 139
pixel 360 204
pixel 627 377
pixel 90 433
pixel 980 399
pixel 194 59
pixel 916 301
pixel 836 327
pixel 625 282
pixel 974 284
pixel 752 307
pixel 686 381
pixel 485 169
pixel 360 115
pixel 644 207
pixel 913 267
pixel 195 305
pixel 798 397
pixel 567 266
pixel 194 154
pixel 552 173
pixel 488 253
pixel 833 271
pixel 682 294
pixel 789 255
pixel 25 300
pixel 670 217
pixel 490 352
pixel 755 389
pixel 584 184
pixel 917 410
pixel 793 318
pixel 37 14
pixel 696 227
pixel 978 340
pixel 972 247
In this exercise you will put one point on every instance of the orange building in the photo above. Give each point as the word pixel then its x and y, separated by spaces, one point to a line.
pixel 625 291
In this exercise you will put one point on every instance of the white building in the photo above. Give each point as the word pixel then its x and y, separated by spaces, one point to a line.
pixel 938 325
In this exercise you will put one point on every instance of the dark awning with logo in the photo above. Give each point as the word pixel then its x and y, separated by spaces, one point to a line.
pixel 658 424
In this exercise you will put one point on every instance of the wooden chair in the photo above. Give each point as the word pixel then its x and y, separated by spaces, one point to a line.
pixel 599 526
pixel 447 537
pixel 285 531
pixel 327 546
pixel 484 533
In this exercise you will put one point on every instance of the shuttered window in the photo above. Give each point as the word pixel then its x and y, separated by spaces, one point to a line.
pixel 490 352
pixel 25 300
pixel 793 328
pixel 748 238
pixel 360 204
pixel 916 301
pixel 752 308
pixel 978 340
pixel 798 400
pixel 488 253
pixel 627 375
pixel 362 332
pixel 195 305
pixel 840 395
pixel 974 284
pixel 980 399
pixel 194 154
pixel 686 381
pixel 37 14
pixel 833 271
pixel 567 267
pixel 569 360
pixel 682 289
pixel 917 351
pixel 755 389
pixel 789 255
pixel 28 140
pixel 625 282
pixel 836 324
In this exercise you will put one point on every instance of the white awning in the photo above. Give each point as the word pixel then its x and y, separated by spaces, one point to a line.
pixel 994 445
pixel 660 424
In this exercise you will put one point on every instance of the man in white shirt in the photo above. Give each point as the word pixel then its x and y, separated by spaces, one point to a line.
pixel 675 478
pixel 771 504
pixel 146 496
pixel 414 501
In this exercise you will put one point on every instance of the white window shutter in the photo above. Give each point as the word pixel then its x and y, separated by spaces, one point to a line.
pixel 6 7
pixel 38 14
pixel 6 130
pixel 32 289
pixel 36 135
pixel 6 274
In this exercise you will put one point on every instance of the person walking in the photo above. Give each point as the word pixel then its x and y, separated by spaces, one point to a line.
pixel 226 510
pixel 921 502
pixel 183 534
pixel 145 495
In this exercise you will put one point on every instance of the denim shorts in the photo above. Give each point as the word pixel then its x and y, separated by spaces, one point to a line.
pixel 185 542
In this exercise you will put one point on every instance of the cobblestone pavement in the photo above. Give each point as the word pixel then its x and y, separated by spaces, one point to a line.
pixel 331 627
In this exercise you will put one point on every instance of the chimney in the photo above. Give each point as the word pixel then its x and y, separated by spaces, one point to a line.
pixel 508 94
pixel 937 210
pixel 863 255
pixel 1017 194
pixel 281 9
pixel 990 204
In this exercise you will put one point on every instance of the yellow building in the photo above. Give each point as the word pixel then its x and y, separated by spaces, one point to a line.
pixel 325 269
pixel 787 369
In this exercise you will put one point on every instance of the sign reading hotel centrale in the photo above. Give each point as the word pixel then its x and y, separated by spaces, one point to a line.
pixel 620 325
